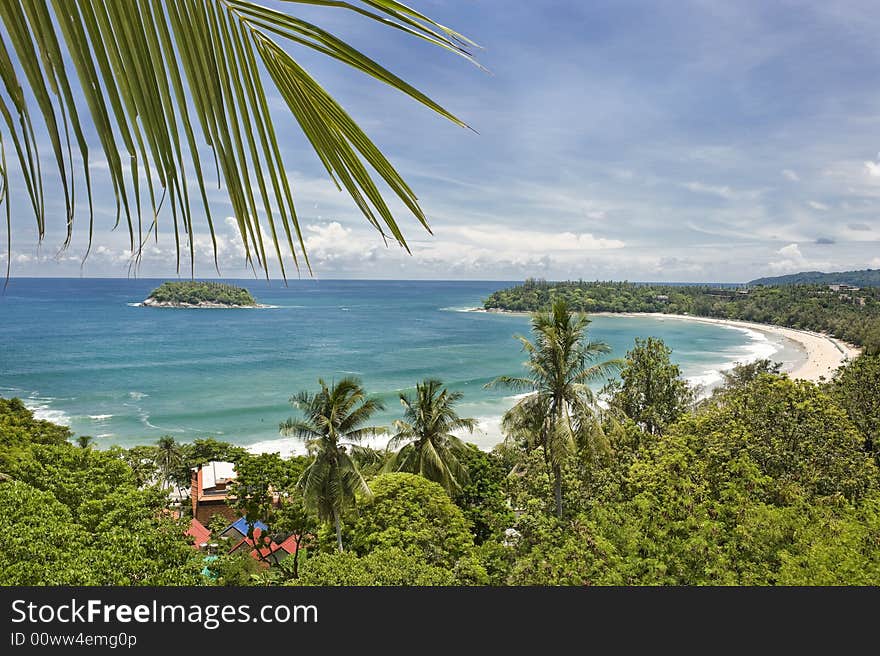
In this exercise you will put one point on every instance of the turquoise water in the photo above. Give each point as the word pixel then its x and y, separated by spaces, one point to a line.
pixel 80 353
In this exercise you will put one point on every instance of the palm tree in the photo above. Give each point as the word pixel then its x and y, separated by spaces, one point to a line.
pixel 158 81
pixel 560 412
pixel 85 441
pixel 332 424
pixel 430 447
pixel 169 459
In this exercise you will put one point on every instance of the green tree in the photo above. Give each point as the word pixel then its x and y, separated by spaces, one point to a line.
pixel 295 518
pixel 483 498
pixel 115 538
pixel 744 373
pixel 169 458
pixel 560 410
pixel 333 421
pixel 856 387
pixel 650 391
pixel 412 513
pixel 427 433
pixel 387 566
pixel 156 79
pixel 265 490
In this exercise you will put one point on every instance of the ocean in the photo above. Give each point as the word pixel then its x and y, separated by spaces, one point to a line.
pixel 80 352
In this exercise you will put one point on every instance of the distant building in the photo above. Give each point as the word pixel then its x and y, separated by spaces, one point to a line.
pixel 270 551
pixel 843 288
pixel 209 489
pixel 201 536
pixel 267 550
pixel 663 298
pixel 238 530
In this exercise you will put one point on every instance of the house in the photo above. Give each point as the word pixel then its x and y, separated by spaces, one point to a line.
pixel 725 294
pixel 209 489
pixel 270 552
pixel 663 298
pixel 201 536
pixel 238 530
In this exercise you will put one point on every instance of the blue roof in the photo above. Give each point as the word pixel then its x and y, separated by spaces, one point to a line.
pixel 241 526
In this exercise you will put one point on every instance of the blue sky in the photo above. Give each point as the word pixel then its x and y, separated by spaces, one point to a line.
pixel 675 141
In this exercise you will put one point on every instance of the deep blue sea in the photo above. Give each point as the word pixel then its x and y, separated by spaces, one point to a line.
pixel 79 352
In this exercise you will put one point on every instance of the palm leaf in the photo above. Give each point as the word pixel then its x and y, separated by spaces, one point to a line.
pixel 155 78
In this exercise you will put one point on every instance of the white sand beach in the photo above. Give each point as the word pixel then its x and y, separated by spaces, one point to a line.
pixel 823 354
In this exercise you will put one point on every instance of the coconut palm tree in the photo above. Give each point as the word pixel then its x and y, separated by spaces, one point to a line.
pixel 427 433
pixel 85 441
pixel 169 458
pixel 175 93
pixel 332 423
pixel 560 412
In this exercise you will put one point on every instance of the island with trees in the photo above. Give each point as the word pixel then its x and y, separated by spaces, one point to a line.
pixel 848 312
pixel 195 294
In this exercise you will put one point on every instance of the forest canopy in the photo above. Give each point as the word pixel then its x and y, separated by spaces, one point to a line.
pixel 200 293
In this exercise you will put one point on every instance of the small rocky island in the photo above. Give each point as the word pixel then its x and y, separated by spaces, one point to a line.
pixel 200 295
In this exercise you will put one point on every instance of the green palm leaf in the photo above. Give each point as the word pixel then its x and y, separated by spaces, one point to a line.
pixel 428 445
pixel 157 78
pixel 331 424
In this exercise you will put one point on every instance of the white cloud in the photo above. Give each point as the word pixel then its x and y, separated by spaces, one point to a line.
pixel 333 242
pixel 788 174
pixel 792 260
pixel 792 250
pixel 532 241
pixel 875 263
pixel 816 205
pixel 700 188
pixel 873 168
pixel 722 191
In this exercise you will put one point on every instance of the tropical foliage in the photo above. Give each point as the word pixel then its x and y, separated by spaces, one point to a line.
pixel 332 425
pixel 156 80
pixel 650 390
pixel 559 413
pixel 430 446
pixel 194 293
pixel 74 516
pixel 412 513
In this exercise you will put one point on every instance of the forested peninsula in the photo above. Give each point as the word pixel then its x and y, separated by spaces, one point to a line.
pixel 844 311
pixel 200 295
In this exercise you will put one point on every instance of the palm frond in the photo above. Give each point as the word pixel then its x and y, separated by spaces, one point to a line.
pixel 513 382
pixel 156 78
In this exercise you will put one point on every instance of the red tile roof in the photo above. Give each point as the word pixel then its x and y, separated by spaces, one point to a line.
pixel 289 545
pixel 199 533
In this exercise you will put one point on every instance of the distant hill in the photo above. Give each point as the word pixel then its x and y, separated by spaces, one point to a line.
pixel 865 278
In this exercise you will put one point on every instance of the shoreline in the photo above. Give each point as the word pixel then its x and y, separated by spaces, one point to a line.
pixel 197 306
pixel 823 354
